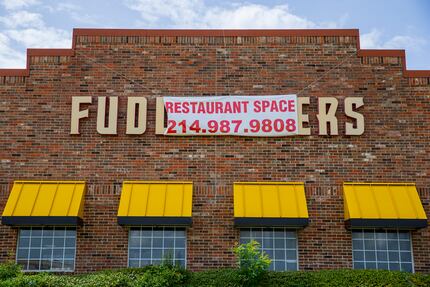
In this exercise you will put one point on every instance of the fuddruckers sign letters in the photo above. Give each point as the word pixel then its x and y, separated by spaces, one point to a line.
pixel 280 115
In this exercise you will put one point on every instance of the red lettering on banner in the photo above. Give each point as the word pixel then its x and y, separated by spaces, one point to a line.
pixel 236 107
pixel 169 107
pixel 193 107
pixel 274 107
pixel 177 107
pixel 227 108
pixel 291 106
pixel 210 108
pixel 245 106
pixel 218 107
pixel 257 107
pixel 201 108
pixel 186 107
pixel 283 106
pixel 265 105
pixel 252 116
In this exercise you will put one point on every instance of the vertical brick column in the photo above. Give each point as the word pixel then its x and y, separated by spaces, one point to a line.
pixel 101 242
pixel 325 243
pixel 8 235
pixel 421 237
pixel 212 236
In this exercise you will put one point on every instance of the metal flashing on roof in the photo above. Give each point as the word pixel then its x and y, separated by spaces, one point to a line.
pixel 45 203
pixel 270 204
pixel 383 205
pixel 155 203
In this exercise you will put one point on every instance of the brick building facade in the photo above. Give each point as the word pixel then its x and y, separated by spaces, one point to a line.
pixel 36 143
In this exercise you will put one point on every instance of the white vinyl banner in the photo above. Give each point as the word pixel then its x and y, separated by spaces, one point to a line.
pixel 232 115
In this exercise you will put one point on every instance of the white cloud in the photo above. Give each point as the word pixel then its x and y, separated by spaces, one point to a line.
pixel 22 19
pixel 64 7
pixel 73 11
pixel 196 14
pixel 176 12
pixel 18 4
pixel 405 42
pixel 370 40
pixel 254 16
pixel 47 37
pixel 21 29
pixel 374 40
pixel 9 57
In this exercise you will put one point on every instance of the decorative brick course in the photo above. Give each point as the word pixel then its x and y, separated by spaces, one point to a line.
pixel 35 142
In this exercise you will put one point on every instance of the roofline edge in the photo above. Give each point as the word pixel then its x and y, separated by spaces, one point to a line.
pixel 37 52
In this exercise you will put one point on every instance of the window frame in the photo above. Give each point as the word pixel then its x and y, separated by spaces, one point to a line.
pixel 386 231
pixel 141 227
pixel 74 228
pixel 273 228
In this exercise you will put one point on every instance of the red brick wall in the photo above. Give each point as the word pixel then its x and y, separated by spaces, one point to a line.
pixel 35 141
pixel 8 235
pixel 421 238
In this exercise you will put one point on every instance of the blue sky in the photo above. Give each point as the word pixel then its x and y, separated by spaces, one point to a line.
pixel 48 24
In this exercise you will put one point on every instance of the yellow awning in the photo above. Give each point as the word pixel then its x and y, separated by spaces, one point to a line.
pixel 155 203
pixel 270 204
pixel 385 205
pixel 45 203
